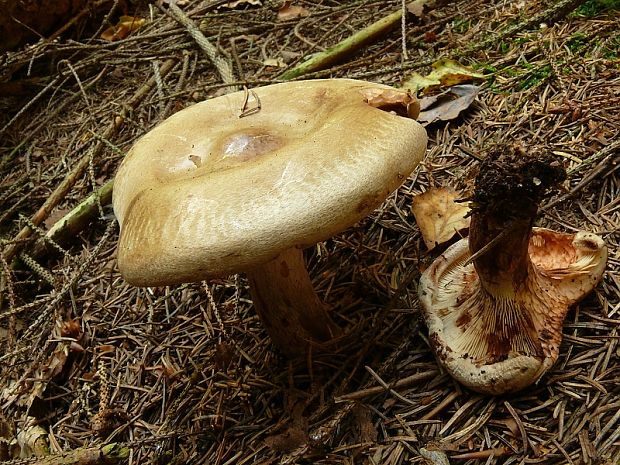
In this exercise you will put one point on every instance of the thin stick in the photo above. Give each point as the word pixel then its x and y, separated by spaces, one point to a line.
pixel 400 384
pixel 442 405
pixel 76 220
pixel 487 247
pixel 403 31
pixel 222 66
pixel 90 455
pixel 483 454
pixel 345 47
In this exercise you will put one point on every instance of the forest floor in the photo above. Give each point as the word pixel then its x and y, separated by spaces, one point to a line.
pixel 186 374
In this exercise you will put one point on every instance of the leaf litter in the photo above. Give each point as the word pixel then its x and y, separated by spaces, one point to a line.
pixel 212 412
pixel 444 92
pixel 439 215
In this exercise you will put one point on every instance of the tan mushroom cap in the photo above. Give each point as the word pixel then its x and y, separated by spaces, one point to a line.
pixel 466 326
pixel 227 184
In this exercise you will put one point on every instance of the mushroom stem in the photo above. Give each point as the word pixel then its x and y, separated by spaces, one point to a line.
pixel 509 189
pixel 504 267
pixel 287 304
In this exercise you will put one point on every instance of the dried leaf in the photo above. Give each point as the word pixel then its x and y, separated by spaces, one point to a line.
pixel 275 62
pixel 105 349
pixel 416 82
pixel 7 441
pixel 448 105
pixel 32 440
pixel 439 216
pixel 450 73
pixel 42 376
pixel 55 216
pixel 224 355
pixel 434 457
pixel 430 37
pixel 126 25
pixel 363 425
pixel 234 4
pixel 416 8
pixel 288 11
pixel 393 100
pixel 294 433
pixel 512 426
pixel 445 73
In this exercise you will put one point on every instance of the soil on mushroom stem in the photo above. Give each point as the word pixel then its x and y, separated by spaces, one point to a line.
pixel 512 182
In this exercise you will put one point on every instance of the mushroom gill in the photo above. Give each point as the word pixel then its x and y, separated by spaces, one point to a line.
pixel 495 302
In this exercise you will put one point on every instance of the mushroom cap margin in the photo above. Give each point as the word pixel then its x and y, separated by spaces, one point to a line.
pixel 572 263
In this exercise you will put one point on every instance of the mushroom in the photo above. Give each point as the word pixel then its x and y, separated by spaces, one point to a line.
pixel 495 302
pixel 245 181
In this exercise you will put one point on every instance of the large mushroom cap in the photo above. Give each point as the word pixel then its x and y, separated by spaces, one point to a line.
pixel 499 344
pixel 229 183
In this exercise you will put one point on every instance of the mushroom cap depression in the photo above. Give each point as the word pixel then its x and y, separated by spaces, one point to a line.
pixel 227 184
pixel 495 344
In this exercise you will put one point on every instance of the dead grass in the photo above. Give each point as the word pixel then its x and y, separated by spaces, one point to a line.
pixel 190 374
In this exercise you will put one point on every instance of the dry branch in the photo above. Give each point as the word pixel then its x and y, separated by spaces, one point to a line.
pixel 222 66
pixel 92 455
pixel 77 219
pixel 347 46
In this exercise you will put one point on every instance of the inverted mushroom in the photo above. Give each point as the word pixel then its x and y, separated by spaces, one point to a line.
pixel 245 181
pixel 496 324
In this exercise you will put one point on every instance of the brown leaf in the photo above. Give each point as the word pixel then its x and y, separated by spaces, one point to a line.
pixel 445 73
pixel 288 11
pixel 48 369
pixel 71 328
pixel 438 215
pixel 512 426
pixel 32 440
pixel 234 4
pixel 293 432
pixel 416 8
pixel 224 355
pixel 448 105
pixel 125 26
pixel 364 427
pixel 430 37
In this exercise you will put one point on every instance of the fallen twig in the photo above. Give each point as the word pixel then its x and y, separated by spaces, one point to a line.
pixel 223 68
pixel 483 454
pixel 348 45
pixel 400 384
pixel 76 220
pixel 90 455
